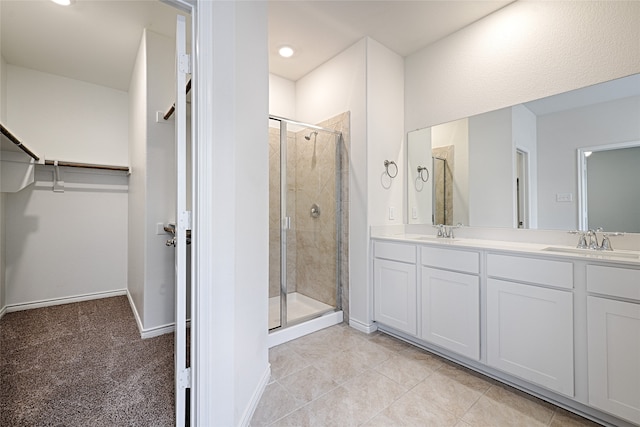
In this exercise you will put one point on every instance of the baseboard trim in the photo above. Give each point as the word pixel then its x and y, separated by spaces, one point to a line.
pixel 296 331
pixel 135 313
pixel 367 329
pixel 255 398
pixel 66 300
pixel 3 310
pixel 155 331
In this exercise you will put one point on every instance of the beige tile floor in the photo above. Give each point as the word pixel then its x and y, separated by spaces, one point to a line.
pixel 341 377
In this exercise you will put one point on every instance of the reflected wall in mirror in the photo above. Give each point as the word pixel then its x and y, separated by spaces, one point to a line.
pixel 608 193
pixel 420 193
pixel 516 167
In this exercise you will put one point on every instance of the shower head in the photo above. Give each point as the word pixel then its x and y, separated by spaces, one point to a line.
pixel 308 137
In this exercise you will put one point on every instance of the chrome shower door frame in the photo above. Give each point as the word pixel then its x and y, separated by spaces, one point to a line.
pixel 285 224
pixel 285 218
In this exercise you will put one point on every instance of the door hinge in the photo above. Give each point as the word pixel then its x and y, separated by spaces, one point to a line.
pixel 184 220
pixel 184 378
pixel 184 63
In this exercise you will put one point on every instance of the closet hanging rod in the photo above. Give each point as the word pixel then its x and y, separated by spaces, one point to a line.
pixel 173 107
pixel 88 166
pixel 11 137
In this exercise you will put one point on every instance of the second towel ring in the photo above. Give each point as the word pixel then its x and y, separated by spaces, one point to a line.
pixel 388 163
pixel 421 171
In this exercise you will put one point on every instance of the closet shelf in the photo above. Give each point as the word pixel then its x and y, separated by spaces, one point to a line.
pixel 11 143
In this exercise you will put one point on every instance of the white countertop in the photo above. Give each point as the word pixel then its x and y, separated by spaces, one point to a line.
pixel 538 249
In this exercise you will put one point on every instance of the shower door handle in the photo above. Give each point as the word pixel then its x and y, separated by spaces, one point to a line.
pixel 286 223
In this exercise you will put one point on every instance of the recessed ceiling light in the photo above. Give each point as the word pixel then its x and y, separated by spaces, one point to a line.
pixel 286 51
pixel 63 2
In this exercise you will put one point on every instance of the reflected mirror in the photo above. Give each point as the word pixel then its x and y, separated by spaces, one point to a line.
pixel 517 167
pixel 608 179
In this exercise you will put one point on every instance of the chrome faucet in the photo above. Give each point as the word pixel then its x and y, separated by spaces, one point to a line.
pixel 446 231
pixel 593 239
pixel 606 243
pixel 589 239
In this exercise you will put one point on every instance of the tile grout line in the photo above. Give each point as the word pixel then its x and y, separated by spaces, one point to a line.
pixel 475 403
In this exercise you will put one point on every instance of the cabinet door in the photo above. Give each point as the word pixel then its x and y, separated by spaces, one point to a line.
pixel 450 308
pixel 395 294
pixel 530 333
pixel 614 357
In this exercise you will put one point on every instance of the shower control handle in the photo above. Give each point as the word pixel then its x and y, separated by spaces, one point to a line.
pixel 315 211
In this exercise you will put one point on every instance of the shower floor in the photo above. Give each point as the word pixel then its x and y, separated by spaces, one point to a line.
pixel 298 307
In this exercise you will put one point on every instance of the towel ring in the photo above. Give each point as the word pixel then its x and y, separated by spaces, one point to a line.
pixel 388 163
pixel 421 171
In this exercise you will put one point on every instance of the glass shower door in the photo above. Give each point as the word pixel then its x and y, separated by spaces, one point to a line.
pixel 304 222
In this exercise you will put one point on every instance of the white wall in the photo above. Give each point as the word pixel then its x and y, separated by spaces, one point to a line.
pixel 337 86
pixel 65 119
pixel 252 241
pixel 70 244
pixel 559 136
pixel 232 230
pixel 152 195
pixel 3 109
pixel 138 180
pixel 67 244
pixel 161 182
pixel 282 97
pixel 3 88
pixel 456 133
pixel 525 51
pixel 385 134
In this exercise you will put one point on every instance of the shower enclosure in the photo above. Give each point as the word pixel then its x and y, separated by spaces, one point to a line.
pixel 440 184
pixel 305 221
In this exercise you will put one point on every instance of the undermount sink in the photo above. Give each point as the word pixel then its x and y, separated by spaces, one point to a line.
pixel 592 252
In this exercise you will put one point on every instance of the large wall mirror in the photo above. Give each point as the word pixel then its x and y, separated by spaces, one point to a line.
pixel 566 162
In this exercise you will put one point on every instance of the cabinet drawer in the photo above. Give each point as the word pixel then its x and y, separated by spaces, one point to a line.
pixel 614 281
pixel 395 251
pixel 451 259
pixel 532 270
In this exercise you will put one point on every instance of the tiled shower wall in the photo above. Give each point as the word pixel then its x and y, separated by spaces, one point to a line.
pixel 443 185
pixel 312 243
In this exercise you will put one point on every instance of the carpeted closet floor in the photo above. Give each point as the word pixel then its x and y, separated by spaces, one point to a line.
pixel 83 364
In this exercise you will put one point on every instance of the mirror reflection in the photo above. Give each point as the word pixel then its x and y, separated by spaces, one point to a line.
pixel 607 177
pixel 524 166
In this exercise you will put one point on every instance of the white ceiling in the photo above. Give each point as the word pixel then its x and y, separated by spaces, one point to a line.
pixel 97 40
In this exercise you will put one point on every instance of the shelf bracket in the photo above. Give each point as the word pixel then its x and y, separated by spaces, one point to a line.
pixel 58 184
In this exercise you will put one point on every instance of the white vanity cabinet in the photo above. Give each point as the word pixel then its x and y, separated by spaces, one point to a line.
pixel 450 300
pixel 530 319
pixel 394 279
pixel 613 334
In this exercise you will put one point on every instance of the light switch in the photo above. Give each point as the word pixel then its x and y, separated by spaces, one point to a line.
pixel 414 213
pixel 392 213
pixel 564 197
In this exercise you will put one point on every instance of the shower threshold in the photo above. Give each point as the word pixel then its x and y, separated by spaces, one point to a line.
pixel 299 308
